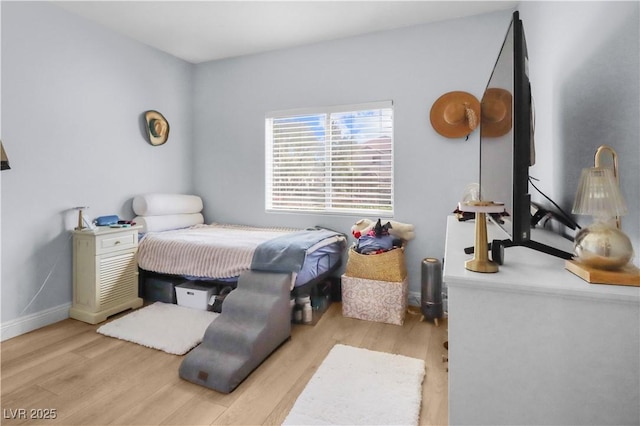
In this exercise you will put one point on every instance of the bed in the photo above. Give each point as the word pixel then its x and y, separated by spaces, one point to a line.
pixel 175 241
pixel 221 252
pixel 266 265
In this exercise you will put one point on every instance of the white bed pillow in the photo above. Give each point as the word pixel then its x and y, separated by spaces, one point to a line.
pixel 166 204
pixel 167 222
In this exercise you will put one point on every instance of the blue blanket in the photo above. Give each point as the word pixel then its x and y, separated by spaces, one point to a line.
pixel 287 253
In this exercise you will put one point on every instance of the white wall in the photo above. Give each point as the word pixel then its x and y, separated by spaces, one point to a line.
pixel 72 103
pixel 412 67
pixel 585 76
pixel 73 95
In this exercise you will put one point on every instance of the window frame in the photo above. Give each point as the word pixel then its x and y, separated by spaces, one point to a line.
pixel 328 209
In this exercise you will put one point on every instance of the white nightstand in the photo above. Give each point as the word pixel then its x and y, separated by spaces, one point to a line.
pixel 105 273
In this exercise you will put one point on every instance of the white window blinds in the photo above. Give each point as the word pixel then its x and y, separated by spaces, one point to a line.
pixel 337 159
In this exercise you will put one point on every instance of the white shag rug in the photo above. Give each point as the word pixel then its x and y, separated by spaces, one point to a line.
pixel 167 327
pixel 355 386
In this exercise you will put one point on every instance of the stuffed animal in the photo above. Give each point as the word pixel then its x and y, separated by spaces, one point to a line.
pixel 400 230
pixel 361 227
pixel 379 229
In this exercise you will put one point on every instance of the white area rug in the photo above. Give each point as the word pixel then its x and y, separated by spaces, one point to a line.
pixel 167 327
pixel 355 386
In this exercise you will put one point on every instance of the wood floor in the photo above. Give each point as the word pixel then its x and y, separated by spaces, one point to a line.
pixel 70 372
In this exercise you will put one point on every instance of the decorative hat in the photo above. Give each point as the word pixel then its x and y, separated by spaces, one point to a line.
pixel 496 113
pixel 157 127
pixel 455 114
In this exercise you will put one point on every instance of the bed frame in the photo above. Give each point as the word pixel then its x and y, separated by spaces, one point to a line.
pixel 305 289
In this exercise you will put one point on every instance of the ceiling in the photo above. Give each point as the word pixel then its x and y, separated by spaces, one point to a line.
pixel 199 31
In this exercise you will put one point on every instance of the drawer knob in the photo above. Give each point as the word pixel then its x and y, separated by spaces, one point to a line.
pixel 117 242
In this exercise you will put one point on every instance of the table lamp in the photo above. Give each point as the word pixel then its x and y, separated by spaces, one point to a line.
pixel 481 261
pixel 81 220
pixel 601 246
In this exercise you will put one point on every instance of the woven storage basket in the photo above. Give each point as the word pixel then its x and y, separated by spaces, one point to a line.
pixel 387 266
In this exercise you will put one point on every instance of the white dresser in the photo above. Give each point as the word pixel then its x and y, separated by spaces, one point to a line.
pixel 534 344
pixel 105 273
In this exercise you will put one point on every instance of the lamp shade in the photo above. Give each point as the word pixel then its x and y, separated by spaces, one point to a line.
pixel 599 194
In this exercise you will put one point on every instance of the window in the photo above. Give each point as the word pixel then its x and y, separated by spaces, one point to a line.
pixel 332 160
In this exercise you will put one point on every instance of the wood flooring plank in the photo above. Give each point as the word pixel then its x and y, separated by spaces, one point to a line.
pixel 91 379
pixel 434 408
pixel 94 370
pixel 302 354
pixel 35 341
pixel 98 347
pixel 277 374
pixel 414 337
pixel 381 337
pixel 281 409
pixel 198 410
pixel 157 406
pixel 44 354
pixel 120 388
pixel 349 331
pixel 17 406
pixel 39 372
pixel 435 397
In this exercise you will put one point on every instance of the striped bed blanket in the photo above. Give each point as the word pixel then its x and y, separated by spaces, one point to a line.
pixel 218 251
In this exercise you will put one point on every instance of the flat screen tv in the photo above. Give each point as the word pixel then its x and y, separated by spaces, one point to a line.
pixel 507 147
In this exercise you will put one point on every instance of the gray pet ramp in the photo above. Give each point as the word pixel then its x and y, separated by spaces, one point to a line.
pixel 255 320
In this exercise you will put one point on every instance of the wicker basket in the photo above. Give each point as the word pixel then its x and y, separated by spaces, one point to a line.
pixel 386 266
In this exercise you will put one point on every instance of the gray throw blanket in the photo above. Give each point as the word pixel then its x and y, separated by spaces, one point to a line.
pixel 287 253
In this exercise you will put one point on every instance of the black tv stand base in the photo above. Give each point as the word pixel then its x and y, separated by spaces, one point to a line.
pixel 534 245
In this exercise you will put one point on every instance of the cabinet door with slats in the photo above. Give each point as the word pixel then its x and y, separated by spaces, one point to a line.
pixel 117 279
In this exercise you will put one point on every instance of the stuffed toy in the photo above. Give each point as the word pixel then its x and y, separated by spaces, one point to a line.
pixel 361 227
pixel 380 230
pixel 400 230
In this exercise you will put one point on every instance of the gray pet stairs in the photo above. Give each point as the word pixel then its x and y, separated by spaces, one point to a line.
pixel 255 320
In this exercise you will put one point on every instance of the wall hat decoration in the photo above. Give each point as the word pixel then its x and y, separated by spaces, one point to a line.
pixel 496 108
pixel 157 127
pixel 455 114
pixel 4 163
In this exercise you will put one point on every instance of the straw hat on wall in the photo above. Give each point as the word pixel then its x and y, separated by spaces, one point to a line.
pixel 157 127
pixel 496 112
pixel 455 114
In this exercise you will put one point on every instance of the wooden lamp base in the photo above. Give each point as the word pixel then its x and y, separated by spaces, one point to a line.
pixel 480 261
pixel 627 275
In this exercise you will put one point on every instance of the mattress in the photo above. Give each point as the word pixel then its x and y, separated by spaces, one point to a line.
pixel 223 251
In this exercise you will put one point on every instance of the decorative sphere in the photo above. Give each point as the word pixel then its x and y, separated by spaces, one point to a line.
pixel 603 246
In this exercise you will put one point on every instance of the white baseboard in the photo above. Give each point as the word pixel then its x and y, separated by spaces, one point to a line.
pixel 31 322
pixel 415 298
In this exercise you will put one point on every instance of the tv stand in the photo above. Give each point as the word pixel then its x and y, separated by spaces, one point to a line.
pixel 534 245
pixel 535 344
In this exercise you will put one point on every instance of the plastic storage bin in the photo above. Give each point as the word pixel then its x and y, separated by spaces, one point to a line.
pixel 194 295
